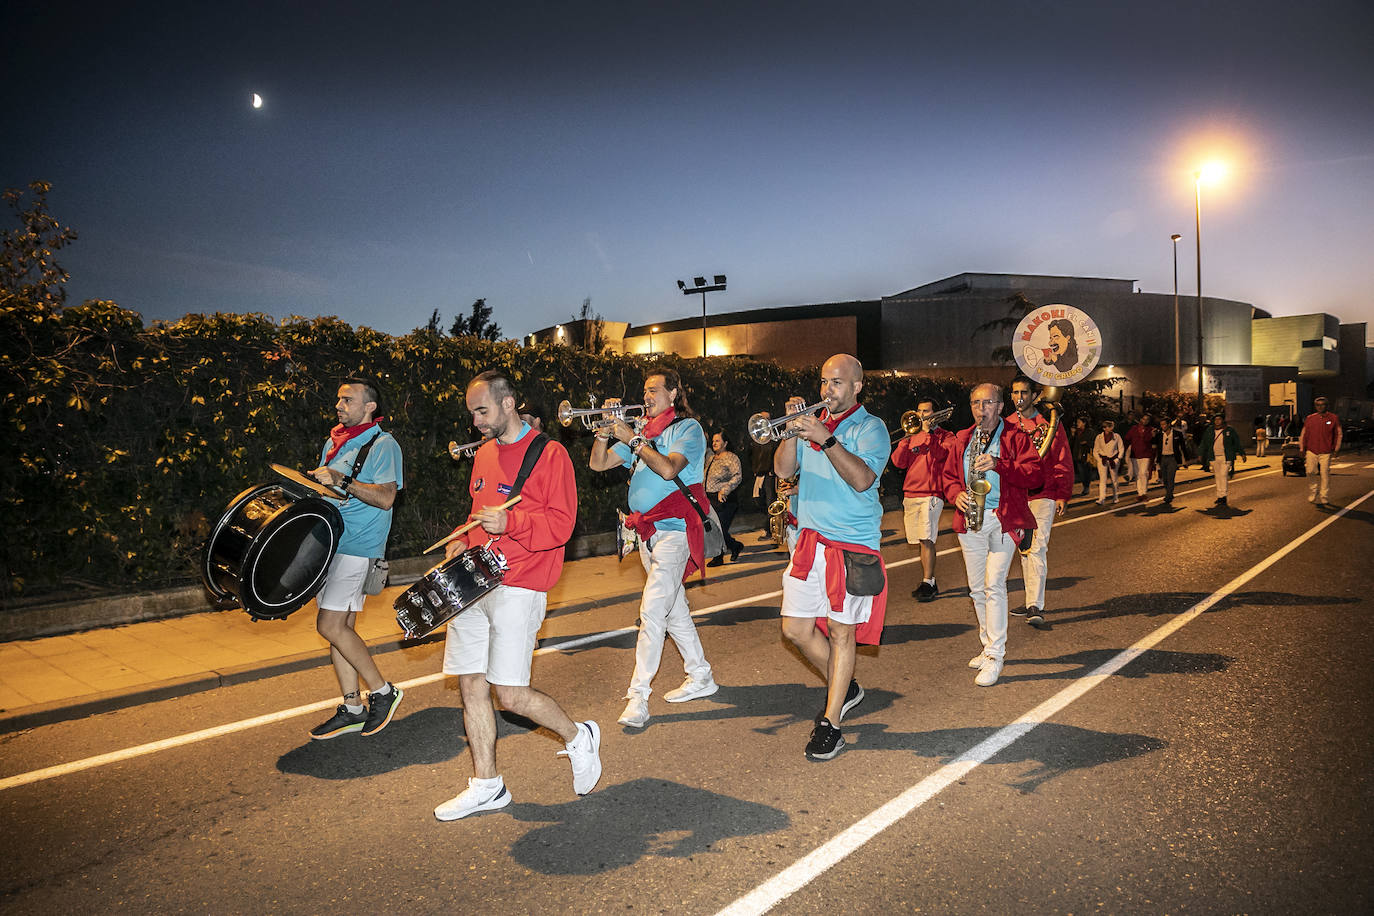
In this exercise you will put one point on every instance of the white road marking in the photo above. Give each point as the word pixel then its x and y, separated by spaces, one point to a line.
pixel 805 870
pixel 230 728
pixel 1343 464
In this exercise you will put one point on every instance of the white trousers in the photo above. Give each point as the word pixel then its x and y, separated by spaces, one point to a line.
pixel 987 558
pixel 1140 469
pixel 663 610
pixel 1035 565
pixel 1220 475
pixel 1102 474
pixel 1316 463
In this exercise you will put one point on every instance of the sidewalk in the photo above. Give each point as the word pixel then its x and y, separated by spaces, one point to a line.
pixel 58 678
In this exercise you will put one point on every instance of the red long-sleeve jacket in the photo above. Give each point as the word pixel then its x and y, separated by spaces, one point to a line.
pixel 923 456
pixel 1018 468
pixel 1057 463
pixel 541 524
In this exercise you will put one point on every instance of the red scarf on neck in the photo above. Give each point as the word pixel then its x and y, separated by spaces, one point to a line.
pixel 655 426
pixel 341 434
pixel 832 423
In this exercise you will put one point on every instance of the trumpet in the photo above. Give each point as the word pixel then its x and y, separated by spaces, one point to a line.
pixel 762 430
pixel 596 417
pixel 459 452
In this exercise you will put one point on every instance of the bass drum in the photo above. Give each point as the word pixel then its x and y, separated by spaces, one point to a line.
pixel 271 549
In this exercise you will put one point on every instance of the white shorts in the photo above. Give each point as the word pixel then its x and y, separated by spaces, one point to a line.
pixel 343 584
pixel 922 517
pixel 807 597
pixel 497 636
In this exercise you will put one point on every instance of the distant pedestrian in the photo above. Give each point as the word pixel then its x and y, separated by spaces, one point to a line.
pixel 1261 435
pixel 1109 450
pixel 1320 439
pixel 723 477
pixel 1081 441
pixel 1173 454
pixel 1141 440
pixel 1217 450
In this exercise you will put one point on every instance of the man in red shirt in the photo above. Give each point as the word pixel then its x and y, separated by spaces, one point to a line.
pixel 1319 440
pixel 923 455
pixel 1046 501
pixel 1143 448
pixel 491 644
pixel 1002 458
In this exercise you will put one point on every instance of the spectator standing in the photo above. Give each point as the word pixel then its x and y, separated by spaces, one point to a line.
pixel 1082 444
pixel 723 477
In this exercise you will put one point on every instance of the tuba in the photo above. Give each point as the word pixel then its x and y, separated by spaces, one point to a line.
pixel 1043 437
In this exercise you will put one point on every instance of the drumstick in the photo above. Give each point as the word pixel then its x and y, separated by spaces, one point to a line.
pixel 468 527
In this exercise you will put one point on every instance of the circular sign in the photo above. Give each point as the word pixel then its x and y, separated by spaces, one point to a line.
pixel 1057 345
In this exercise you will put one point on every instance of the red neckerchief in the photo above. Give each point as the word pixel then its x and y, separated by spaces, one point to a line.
pixel 675 505
pixel 341 434
pixel 654 426
pixel 832 423
pixel 868 633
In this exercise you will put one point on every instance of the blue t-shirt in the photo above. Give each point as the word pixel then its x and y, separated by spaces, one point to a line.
pixel 828 505
pixel 647 489
pixel 366 527
pixel 994 497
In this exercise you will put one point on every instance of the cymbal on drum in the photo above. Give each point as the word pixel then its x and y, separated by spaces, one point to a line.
pixel 310 483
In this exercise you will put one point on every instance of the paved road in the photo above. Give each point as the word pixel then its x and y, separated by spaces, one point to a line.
pixel 1223 765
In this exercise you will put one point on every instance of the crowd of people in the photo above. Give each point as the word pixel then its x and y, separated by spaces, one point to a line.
pixel 1007 477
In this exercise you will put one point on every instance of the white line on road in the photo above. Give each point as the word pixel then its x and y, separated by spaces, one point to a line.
pixel 792 879
pixel 219 731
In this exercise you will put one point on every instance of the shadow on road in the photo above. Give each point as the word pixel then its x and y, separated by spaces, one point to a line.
pixel 1166 604
pixel 433 735
pixel 785 705
pixel 1051 749
pixel 622 824
pixel 1224 512
pixel 1079 664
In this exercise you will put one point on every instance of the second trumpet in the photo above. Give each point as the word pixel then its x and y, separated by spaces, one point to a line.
pixel 763 430
pixel 596 417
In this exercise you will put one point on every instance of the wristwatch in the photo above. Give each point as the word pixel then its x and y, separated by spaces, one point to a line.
pixel 828 442
pixel 343 484
pixel 637 443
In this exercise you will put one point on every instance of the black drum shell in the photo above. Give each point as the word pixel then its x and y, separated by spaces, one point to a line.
pixel 447 589
pixel 272 548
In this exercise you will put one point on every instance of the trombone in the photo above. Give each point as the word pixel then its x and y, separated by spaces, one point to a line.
pixel 459 452
pixel 596 417
pixel 912 423
pixel 762 430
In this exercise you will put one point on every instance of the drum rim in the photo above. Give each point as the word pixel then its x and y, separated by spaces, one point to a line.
pixel 254 555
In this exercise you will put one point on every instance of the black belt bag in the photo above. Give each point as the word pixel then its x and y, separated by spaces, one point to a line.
pixel 863 574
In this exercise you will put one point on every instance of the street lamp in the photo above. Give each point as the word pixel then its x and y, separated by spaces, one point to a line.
pixel 699 285
pixel 1177 365
pixel 652 332
pixel 1209 172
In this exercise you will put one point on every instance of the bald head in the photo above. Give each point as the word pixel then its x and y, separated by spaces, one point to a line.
pixel 842 378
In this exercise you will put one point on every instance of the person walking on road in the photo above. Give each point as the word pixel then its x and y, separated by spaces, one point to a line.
pixel 1109 450
pixel 997 454
pixel 365 463
pixel 1217 450
pixel 1173 454
pixel 922 455
pixel 1319 440
pixel 666 460
pixel 834 592
pixel 1047 501
pixel 1142 448
pixel 723 477
pixel 490 646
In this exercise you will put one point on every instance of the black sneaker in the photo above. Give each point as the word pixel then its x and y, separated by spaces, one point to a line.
pixel 1019 612
pixel 1035 617
pixel 342 723
pixel 826 741
pixel 926 591
pixel 852 697
pixel 380 708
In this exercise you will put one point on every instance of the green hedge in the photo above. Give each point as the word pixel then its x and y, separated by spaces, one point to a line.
pixel 124 443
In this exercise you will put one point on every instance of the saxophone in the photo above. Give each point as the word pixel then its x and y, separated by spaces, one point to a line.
pixel 777 513
pixel 977 482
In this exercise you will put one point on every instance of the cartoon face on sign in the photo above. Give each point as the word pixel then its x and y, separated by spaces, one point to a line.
pixel 1057 345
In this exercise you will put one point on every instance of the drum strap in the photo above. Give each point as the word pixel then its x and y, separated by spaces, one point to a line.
pixel 532 453
pixel 362 455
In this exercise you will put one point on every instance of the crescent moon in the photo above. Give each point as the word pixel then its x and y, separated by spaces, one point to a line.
pixel 257 100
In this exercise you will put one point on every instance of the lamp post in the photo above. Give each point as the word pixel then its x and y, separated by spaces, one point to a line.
pixel 1178 367
pixel 699 285
pixel 1208 172
pixel 652 331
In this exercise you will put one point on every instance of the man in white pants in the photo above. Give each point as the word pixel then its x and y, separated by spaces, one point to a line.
pixel 1319 440
pixel 671 444
pixel 1048 500
pixel 1002 456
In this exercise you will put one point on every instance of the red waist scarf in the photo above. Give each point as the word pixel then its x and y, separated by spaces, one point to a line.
pixel 675 505
pixel 868 633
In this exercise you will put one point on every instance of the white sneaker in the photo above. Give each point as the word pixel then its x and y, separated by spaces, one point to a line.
pixel 584 753
pixel 636 714
pixel 989 672
pixel 692 689
pixel 977 661
pixel 480 795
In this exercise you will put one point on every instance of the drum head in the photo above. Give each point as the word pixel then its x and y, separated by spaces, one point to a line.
pixel 271 550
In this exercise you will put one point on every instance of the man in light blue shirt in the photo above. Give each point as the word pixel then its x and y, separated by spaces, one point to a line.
pixel 366 513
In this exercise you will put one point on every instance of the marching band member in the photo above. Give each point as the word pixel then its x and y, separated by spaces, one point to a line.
pixel 1002 462
pixel 491 644
pixel 1046 501
pixel 832 588
pixel 367 522
pixel 666 459
pixel 923 457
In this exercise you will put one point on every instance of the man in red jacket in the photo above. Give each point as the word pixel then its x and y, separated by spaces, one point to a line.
pixel 923 455
pixel 491 644
pixel 1048 500
pixel 1142 444
pixel 1000 456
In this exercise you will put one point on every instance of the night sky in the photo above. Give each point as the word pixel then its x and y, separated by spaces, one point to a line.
pixel 411 156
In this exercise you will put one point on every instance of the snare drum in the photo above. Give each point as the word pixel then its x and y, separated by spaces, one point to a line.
pixel 448 589
pixel 272 548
